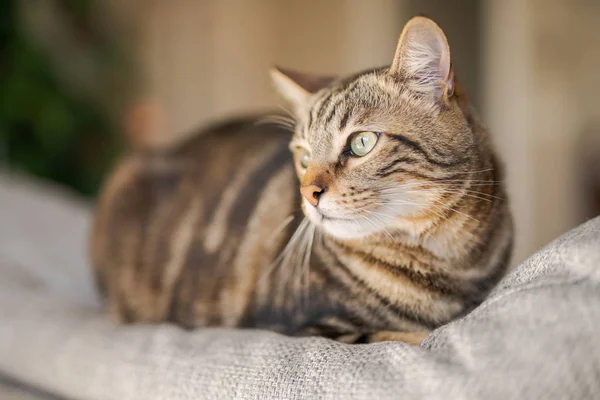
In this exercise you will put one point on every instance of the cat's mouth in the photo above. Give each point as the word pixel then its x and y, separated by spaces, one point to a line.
pixel 330 218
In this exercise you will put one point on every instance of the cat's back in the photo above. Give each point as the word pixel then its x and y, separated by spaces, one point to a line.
pixel 172 226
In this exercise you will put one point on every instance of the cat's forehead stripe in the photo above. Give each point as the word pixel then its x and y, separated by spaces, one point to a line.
pixel 329 105
pixel 324 103
pixel 311 114
pixel 332 111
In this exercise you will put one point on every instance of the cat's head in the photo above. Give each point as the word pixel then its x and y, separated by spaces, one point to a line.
pixel 370 150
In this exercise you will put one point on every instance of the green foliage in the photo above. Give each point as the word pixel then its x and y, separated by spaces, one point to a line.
pixel 46 128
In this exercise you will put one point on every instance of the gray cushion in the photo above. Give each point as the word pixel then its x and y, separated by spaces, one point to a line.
pixel 534 337
pixel 11 390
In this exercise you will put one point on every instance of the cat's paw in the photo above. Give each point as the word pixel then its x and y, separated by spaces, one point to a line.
pixel 393 336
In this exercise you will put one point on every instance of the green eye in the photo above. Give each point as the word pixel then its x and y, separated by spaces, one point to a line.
pixel 363 142
pixel 304 159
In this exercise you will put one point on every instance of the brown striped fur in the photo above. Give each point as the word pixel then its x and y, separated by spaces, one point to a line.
pixel 415 233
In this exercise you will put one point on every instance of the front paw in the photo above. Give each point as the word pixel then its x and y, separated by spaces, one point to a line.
pixel 386 336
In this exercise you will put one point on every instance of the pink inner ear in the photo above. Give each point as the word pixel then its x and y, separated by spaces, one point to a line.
pixel 450 82
pixel 423 56
pixel 310 83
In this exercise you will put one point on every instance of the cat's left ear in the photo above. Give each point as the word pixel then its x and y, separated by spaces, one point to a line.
pixel 297 87
pixel 422 59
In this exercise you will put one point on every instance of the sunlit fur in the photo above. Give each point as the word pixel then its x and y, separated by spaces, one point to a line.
pixel 404 239
pixel 363 196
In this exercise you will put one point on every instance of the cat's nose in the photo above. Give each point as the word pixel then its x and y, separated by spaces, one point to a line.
pixel 312 193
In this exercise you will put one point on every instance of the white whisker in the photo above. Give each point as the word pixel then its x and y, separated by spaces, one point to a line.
pixel 473 172
pixel 289 248
pixel 310 234
pixel 443 205
pixel 279 120
pixel 281 227
pixel 289 114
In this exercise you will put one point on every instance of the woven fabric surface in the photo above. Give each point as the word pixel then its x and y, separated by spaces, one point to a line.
pixel 534 337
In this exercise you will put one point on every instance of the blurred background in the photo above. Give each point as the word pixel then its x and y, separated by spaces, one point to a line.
pixel 77 75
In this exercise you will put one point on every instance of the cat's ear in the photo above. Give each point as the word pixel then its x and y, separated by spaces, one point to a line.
pixel 296 87
pixel 422 58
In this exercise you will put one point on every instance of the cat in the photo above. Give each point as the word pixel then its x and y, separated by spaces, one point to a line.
pixel 387 219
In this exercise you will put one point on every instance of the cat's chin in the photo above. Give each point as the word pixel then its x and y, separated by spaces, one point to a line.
pixel 341 228
pixel 345 230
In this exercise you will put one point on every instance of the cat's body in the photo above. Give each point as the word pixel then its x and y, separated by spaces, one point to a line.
pixel 398 240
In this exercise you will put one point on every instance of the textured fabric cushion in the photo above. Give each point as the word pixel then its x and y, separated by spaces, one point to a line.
pixel 535 336
pixel 10 390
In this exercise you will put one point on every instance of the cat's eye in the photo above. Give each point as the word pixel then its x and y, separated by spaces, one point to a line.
pixel 304 159
pixel 363 142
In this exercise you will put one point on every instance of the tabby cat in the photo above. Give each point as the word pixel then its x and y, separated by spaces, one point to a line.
pixel 399 222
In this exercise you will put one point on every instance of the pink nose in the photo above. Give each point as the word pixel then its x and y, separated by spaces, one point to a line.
pixel 312 193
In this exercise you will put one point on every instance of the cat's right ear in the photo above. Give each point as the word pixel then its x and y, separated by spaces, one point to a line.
pixel 297 87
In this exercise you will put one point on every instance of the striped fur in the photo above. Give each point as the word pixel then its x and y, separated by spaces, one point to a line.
pixel 214 231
